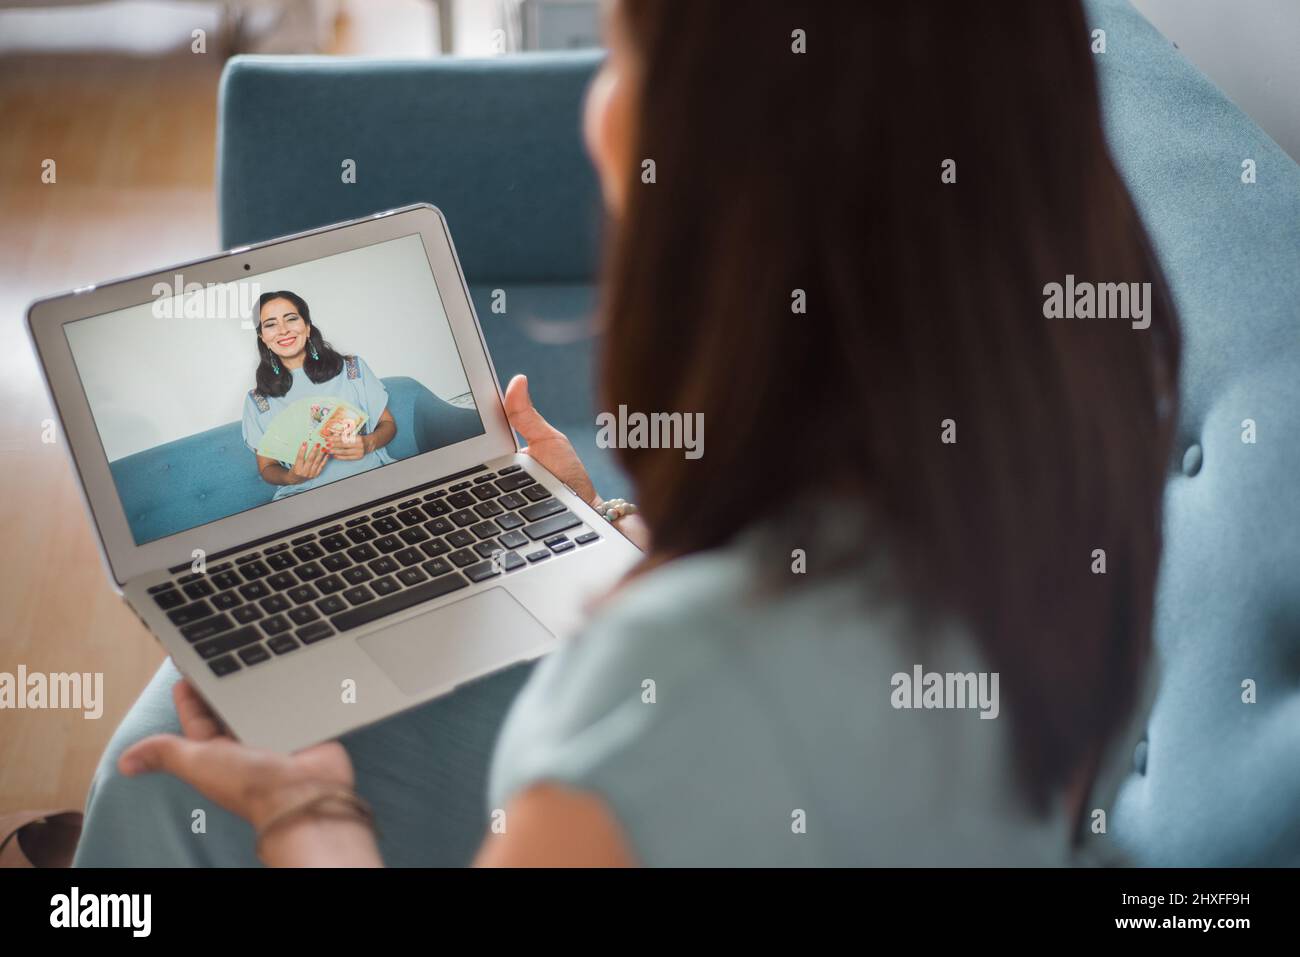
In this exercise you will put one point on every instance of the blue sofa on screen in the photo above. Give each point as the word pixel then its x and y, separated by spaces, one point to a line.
pixel 496 145
pixel 204 477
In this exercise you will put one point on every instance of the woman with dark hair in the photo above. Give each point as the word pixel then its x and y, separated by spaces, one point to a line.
pixel 925 503
pixel 295 362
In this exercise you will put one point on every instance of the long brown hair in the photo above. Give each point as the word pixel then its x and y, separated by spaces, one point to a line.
pixel 822 171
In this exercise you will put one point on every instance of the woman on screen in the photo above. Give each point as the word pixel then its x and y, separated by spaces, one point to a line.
pixel 315 416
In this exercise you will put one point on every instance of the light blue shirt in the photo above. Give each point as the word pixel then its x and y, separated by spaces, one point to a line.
pixel 726 723
pixel 356 384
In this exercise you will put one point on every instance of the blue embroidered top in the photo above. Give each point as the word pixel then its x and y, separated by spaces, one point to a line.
pixel 355 383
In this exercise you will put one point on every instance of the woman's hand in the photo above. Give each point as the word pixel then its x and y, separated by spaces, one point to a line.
pixel 308 465
pixel 547 444
pixel 349 448
pixel 255 784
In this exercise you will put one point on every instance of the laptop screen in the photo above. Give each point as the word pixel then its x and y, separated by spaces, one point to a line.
pixel 210 401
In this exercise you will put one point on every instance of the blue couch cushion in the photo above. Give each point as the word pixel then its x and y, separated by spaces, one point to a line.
pixel 493 143
pixel 1217 781
pixel 205 477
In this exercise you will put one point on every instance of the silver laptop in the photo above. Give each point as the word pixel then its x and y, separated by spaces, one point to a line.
pixel 306 596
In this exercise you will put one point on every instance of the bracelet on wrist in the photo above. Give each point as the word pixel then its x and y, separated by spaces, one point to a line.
pixel 615 508
pixel 333 802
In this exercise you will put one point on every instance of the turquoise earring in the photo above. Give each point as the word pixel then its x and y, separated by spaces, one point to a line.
pixel 275 367
pixel 314 353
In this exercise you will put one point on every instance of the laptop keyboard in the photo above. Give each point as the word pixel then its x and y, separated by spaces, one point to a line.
pixel 273 601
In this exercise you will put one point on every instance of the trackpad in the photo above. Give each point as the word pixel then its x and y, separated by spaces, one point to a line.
pixel 460 641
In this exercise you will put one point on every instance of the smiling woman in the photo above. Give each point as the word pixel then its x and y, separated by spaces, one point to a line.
pixel 299 371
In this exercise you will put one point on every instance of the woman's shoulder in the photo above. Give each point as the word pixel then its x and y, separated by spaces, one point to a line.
pixel 705 684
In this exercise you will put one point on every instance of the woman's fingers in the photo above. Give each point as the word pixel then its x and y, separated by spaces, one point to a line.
pixel 164 752
pixel 524 417
pixel 198 721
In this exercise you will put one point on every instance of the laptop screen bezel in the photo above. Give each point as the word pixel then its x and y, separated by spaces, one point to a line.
pixel 126 559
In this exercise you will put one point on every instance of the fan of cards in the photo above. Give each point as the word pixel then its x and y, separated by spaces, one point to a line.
pixel 322 419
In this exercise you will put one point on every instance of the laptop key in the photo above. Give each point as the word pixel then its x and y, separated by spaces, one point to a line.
pixel 563 546
pixel 246 613
pixel 331 605
pixel 586 538
pixel 535 493
pixel 254 590
pixel 243 559
pixel 460 486
pixel 513 539
pixel 230 641
pixel 398 601
pixel 512 501
pixel 225 665
pixel 308 552
pixel 309 571
pixel 303 614
pixel 513 561
pixel 199 589
pixel 411 576
pixel 436 567
pixel 508 483
pixel 509 469
pixel 439 526
pixel 462 558
pixel 486 530
pixel 254 570
pixel 383 566
pixel 486 491
pixel 281 560
pixel 488 509
pixel 412 516
pixel 538 556
pixel 254 654
pixel 282 644
pixel 413 536
pixel 357 574
pixel 541 509
pixel 460 538
pixel 464 517
pixel 226 600
pixel 509 520
pixel 383 512
pixel 336 562
pixel 384 586
pixel 359 595
pixel 275 624
pixel 487 548
pixel 335 543
pixel 190 613
pixel 434 509
pixel 363 533
pixel 330 584
pixel 435 548
pixel 549 526
pixel 169 599
pixel 314 632
pixel 276 603
pixel 206 628
pixel 362 553
pixel 485 478
pixel 409 556
pixel 460 500
pixel 161 586
pixel 359 520
pixel 386 526
pixel 301 594
pixel 282 580
pixel 481 571
pixel 224 580
pixel 388 544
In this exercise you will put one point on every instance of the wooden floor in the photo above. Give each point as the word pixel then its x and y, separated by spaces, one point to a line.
pixel 133 139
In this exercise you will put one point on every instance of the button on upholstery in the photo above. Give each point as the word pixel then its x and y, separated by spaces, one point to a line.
pixel 1140 757
pixel 1192 459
